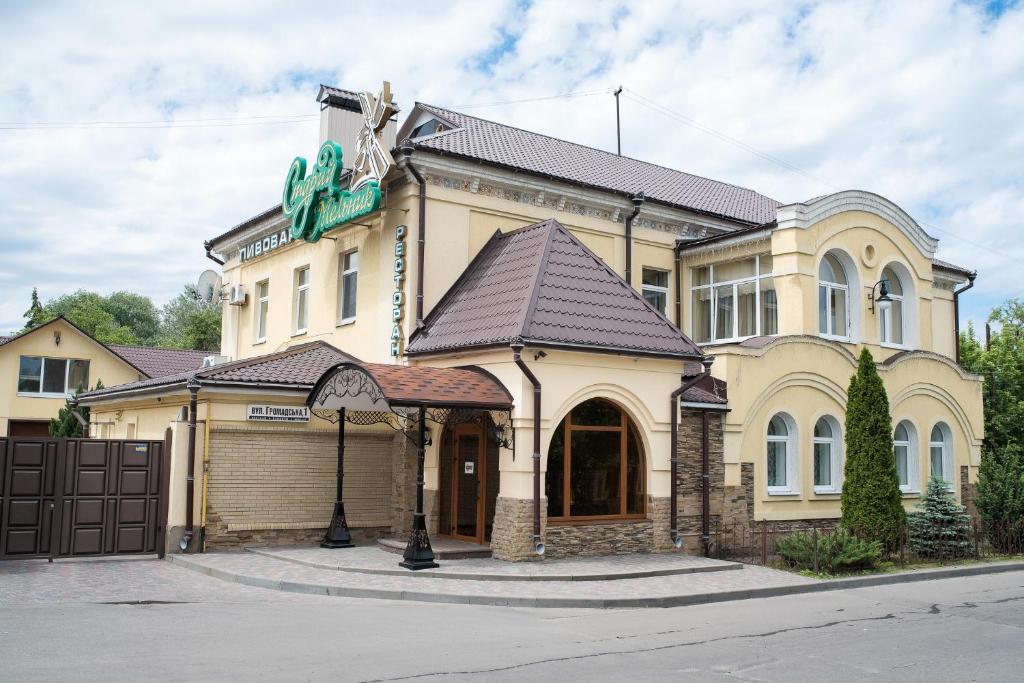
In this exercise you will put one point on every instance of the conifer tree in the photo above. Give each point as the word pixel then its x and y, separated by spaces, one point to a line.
pixel 1000 500
pixel 940 527
pixel 36 314
pixel 871 502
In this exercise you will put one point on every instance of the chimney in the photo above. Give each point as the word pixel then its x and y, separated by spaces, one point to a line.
pixel 341 119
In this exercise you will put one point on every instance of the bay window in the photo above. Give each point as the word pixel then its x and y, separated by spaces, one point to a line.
pixel 734 300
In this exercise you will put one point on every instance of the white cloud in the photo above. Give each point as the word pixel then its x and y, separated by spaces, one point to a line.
pixel 921 102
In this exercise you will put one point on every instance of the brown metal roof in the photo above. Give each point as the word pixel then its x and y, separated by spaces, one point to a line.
pixel 939 264
pixel 158 361
pixel 541 286
pixel 495 143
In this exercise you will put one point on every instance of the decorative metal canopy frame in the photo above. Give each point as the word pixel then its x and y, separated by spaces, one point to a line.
pixel 348 393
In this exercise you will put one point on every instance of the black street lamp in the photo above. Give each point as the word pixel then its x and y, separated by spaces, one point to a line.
pixel 883 299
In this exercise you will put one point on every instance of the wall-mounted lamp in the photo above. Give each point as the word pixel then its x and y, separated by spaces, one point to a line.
pixel 883 300
pixel 56 337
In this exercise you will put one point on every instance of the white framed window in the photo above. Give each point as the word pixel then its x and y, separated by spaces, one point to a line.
pixel 348 275
pixel 262 309
pixel 828 455
pixel 904 447
pixel 892 319
pixel 833 298
pixel 733 301
pixel 940 453
pixel 654 287
pixel 301 303
pixel 51 377
pixel 782 455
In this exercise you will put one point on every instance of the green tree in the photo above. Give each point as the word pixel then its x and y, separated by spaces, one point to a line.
pixel 35 315
pixel 191 323
pixel 135 312
pixel 871 502
pixel 1000 500
pixel 1002 366
pixel 940 527
pixel 89 311
pixel 66 424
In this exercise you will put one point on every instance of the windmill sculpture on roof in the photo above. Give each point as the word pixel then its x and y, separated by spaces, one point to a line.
pixel 373 159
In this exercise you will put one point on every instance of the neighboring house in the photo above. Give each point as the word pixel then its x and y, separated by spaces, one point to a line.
pixel 615 298
pixel 40 368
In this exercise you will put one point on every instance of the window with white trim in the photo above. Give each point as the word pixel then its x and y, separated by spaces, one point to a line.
pixel 904 447
pixel 833 298
pixel 828 448
pixel 891 318
pixel 654 288
pixel 262 309
pixel 782 455
pixel 301 302
pixel 348 274
pixel 52 377
pixel 940 453
pixel 734 300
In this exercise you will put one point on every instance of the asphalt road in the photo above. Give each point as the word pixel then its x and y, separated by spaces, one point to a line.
pixel 84 621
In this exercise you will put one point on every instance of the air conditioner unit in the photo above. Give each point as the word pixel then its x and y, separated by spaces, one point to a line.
pixel 214 359
pixel 237 297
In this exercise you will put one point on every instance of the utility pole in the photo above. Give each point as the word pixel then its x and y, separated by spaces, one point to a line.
pixel 618 128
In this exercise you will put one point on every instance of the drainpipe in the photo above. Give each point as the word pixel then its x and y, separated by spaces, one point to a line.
pixel 190 480
pixel 421 236
pixel 956 312
pixel 208 245
pixel 516 354
pixel 638 199
pixel 679 293
pixel 677 541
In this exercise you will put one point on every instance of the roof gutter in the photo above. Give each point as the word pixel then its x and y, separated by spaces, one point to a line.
pixel 517 349
pixel 956 312
pixel 406 150
pixel 638 200
pixel 677 540
pixel 208 245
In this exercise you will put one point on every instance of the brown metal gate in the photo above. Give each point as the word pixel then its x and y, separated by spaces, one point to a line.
pixel 67 497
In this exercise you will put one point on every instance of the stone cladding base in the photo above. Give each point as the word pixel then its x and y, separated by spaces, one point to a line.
pixel 512 534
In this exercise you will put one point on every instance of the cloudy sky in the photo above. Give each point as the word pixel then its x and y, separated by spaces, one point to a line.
pixel 130 133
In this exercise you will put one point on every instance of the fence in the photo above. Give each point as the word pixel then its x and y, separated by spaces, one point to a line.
pixel 760 543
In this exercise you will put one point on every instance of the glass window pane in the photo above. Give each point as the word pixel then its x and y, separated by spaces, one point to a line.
pixel 901 464
pixel 765 266
pixel 822 464
pixel 895 319
pixel 892 281
pixel 596 413
pixel 78 375
pixel 746 300
pixel 937 433
pixel 901 433
pixel 302 310
pixel 776 463
pixel 348 305
pixel 735 270
pixel 823 309
pixel 656 299
pixel 352 260
pixel 54 374
pixel 769 307
pixel 701 276
pixel 303 277
pixel 634 475
pixel 723 312
pixel 822 429
pixel 936 458
pixel 594 476
pixel 838 312
pixel 831 270
pixel 778 427
pixel 262 289
pixel 654 277
pixel 701 314
pixel 30 374
pixel 554 479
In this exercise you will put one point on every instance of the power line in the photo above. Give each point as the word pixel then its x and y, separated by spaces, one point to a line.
pixel 216 122
pixel 568 95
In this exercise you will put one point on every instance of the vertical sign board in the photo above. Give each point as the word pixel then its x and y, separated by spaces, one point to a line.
pixel 398 297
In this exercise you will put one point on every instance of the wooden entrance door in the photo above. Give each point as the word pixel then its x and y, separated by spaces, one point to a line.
pixel 468 483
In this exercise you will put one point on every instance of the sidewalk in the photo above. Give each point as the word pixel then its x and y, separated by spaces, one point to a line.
pixel 609 582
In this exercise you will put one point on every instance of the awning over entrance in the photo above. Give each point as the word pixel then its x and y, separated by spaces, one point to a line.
pixel 368 393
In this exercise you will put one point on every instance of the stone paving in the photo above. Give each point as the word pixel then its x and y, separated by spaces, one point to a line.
pixel 675 589
pixel 373 560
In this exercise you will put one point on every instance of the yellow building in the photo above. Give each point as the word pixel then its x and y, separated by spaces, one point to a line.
pixel 591 289
pixel 43 366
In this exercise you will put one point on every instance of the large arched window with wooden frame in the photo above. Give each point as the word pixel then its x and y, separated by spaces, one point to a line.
pixel 595 465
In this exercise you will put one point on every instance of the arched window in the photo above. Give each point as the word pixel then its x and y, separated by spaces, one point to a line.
pixel 782 455
pixel 833 298
pixel 595 465
pixel 940 450
pixel 828 445
pixel 904 447
pixel 892 318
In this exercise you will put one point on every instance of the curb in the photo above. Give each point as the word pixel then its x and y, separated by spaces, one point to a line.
pixel 466 576
pixel 597 603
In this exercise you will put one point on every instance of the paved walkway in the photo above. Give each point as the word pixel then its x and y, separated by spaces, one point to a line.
pixel 267 571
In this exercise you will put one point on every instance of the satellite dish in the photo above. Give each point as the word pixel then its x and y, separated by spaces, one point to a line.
pixel 209 286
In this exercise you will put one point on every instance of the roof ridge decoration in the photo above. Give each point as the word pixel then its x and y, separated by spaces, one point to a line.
pixel 805 214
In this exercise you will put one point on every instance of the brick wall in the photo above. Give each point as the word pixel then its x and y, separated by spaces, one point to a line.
pixel 277 486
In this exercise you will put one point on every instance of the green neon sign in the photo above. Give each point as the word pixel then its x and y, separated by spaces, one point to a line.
pixel 316 203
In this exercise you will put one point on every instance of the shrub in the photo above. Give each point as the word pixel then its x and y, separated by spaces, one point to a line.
pixel 1000 498
pixel 940 527
pixel 838 551
pixel 871 503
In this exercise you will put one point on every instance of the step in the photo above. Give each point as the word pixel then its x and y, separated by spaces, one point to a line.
pixel 444 548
